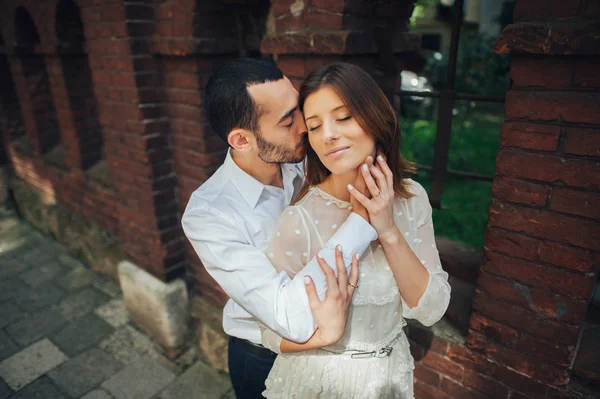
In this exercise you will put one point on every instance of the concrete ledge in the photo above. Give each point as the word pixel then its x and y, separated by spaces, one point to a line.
pixel 160 309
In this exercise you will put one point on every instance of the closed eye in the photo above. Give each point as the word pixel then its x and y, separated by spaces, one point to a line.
pixel 289 125
pixel 343 119
pixel 311 129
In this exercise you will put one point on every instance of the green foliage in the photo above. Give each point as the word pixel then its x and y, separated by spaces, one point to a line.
pixel 478 69
pixel 475 140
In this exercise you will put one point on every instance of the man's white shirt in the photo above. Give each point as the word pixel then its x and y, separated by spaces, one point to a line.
pixel 229 221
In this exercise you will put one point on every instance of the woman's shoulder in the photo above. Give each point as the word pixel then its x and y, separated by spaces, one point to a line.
pixel 416 189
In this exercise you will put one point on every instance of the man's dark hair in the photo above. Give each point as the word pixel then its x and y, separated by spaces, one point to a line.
pixel 227 103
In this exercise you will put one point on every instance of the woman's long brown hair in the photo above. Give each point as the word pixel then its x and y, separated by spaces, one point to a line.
pixel 373 112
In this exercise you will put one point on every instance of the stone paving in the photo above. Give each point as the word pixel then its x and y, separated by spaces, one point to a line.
pixel 65 333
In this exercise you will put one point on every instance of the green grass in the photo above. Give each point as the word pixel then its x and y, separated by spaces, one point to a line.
pixel 474 143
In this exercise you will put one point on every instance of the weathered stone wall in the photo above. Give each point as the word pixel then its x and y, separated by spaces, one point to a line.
pixel 100 248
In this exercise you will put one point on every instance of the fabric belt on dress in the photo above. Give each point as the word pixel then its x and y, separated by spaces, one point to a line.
pixel 253 348
pixel 381 351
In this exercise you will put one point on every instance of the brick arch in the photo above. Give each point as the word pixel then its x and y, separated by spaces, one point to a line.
pixel 37 87
pixel 11 122
pixel 26 33
pixel 81 104
pixel 12 128
pixel 69 27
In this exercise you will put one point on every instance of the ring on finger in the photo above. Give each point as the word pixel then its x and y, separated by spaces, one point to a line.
pixel 378 194
pixel 355 286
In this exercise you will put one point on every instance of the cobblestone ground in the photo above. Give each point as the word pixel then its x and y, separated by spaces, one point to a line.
pixel 64 332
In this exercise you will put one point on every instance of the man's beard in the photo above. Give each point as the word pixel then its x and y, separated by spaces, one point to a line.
pixel 277 153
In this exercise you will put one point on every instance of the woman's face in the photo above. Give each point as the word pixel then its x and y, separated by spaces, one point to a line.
pixel 334 134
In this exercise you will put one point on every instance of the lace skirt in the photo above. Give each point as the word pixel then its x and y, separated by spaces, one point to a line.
pixel 322 374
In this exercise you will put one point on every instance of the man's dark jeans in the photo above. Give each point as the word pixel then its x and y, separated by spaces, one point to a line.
pixel 248 371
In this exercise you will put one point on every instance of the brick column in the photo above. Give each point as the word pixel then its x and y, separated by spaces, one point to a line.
pixel 128 87
pixel 543 235
pixel 305 35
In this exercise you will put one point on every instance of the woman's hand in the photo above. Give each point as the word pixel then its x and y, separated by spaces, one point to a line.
pixel 331 313
pixel 360 185
pixel 380 184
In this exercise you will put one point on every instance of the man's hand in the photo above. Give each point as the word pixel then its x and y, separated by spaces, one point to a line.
pixel 331 313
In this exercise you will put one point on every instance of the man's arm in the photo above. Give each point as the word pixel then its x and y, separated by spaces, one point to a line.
pixel 249 278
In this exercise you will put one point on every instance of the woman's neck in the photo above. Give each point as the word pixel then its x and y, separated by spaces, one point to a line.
pixel 337 185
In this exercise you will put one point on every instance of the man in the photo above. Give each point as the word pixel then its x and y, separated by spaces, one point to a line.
pixel 230 218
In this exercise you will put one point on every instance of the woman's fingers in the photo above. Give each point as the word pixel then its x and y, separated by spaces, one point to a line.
pixel 332 285
pixel 311 292
pixel 353 279
pixel 389 175
pixel 381 180
pixel 341 268
pixel 371 185
pixel 360 197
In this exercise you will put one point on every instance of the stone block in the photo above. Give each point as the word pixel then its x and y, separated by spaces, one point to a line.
pixel 12 267
pixel 41 273
pixel 43 295
pixel 7 346
pixel 31 363
pixel 40 389
pixel 212 340
pixel 113 312
pixel 107 286
pixel 85 372
pixel 160 309
pixel 142 379
pixel 75 279
pixel 38 325
pixel 128 345
pixel 77 305
pixel 200 380
pixel 5 391
pixel 97 394
pixel 81 334
pixel 9 313
pixel 10 289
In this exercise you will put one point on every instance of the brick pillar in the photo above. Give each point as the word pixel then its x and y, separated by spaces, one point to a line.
pixel 305 35
pixel 543 236
pixel 128 88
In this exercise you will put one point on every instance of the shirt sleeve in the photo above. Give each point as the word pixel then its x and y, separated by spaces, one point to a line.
pixel 247 275
pixel 435 299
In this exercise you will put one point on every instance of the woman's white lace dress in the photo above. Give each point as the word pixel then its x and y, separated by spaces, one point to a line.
pixel 376 316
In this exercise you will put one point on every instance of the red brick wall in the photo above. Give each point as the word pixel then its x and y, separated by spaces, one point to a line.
pixel 147 65
pixel 542 239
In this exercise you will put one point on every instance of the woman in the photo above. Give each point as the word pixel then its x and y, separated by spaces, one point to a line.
pixel 348 118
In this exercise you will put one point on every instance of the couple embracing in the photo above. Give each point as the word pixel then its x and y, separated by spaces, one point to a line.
pixel 314 230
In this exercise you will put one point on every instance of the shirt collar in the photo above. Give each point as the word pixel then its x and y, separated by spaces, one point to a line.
pixel 251 189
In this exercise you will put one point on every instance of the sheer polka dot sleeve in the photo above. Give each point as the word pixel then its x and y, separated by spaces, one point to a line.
pixel 289 247
pixel 435 299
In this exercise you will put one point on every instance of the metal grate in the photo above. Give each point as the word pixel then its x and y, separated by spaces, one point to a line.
pixel 446 97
